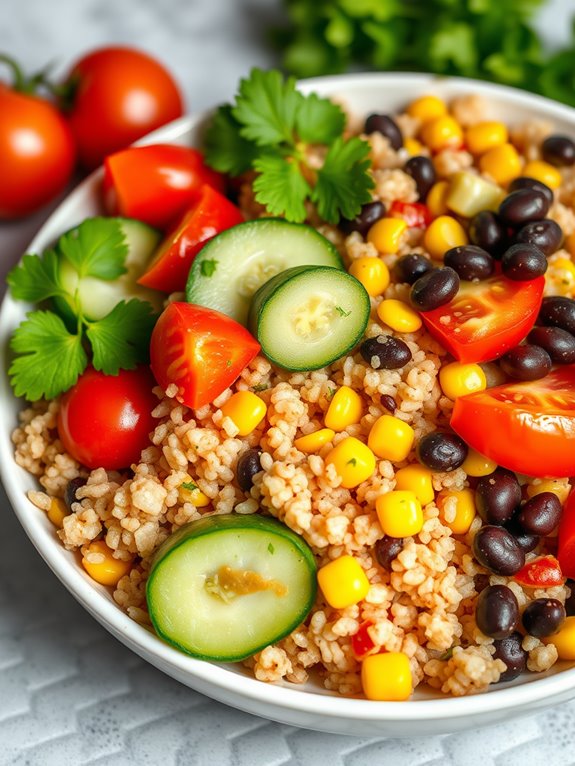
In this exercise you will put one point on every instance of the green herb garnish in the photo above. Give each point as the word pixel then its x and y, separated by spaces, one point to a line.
pixel 208 267
pixel 190 485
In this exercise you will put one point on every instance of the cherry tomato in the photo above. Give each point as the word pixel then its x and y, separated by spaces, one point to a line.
pixel 542 572
pixel 117 96
pixel 156 183
pixel 361 643
pixel 566 537
pixel 415 214
pixel 526 427
pixel 486 319
pixel 212 214
pixel 200 350
pixel 105 420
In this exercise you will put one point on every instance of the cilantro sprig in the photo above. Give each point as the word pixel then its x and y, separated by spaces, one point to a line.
pixel 275 130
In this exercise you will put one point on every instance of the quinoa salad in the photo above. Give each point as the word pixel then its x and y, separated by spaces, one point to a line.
pixel 431 537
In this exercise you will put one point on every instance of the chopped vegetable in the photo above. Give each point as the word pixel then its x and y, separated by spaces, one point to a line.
pixel 542 572
pixel 566 542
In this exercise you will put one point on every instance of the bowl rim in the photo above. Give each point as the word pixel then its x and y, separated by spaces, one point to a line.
pixel 143 641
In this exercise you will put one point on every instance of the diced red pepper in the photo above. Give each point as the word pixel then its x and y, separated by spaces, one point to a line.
pixel 361 643
pixel 566 539
pixel 415 214
pixel 542 572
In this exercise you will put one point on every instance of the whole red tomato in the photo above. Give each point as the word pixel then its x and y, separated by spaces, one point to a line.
pixel 117 96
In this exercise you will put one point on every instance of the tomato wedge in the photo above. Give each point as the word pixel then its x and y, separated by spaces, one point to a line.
pixel 486 319
pixel 566 537
pixel 361 643
pixel 199 350
pixel 542 572
pixel 526 427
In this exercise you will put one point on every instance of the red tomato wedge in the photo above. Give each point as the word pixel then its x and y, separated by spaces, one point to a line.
pixel 542 572
pixel 209 216
pixel 526 427
pixel 415 214
pixel 361 643
pixel 199 350
pixel 486 319
pixel 566 538
pixel 156 184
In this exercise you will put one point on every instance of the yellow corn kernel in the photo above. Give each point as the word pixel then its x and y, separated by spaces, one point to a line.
pixel 436 198
pixel 561 274
pixel 442 234
pixel 413 146
pixel 457 379
pixel 386 677
pixel 353 461
pixel 443 133
pixel 344 410
pixel 372 273
pixel 417 479
pixel 57 511
pixel 399 513
pixel 391 438
pixel 343 582
pixel 484 136
pixel 469 194
pixel 559 487
pixel 564 640
pixel 476 464
pixel 502 163
pixel 189 492
pixel 570 243
pixel 399 316
pixel 464 509
pixel 315 441
pixel 427 108
pixel 544 172
pixel 246 410
pixel 386 235
pixel 108 570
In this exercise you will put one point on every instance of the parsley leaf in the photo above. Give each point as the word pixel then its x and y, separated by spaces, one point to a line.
pixel 318 120
pixel 189 485
pixel 343 183
pixel 97 248
pixel 281 187
pixel 225 149
pixel 120 340
pixel 36 278
pixel 208 267
pixel 266 107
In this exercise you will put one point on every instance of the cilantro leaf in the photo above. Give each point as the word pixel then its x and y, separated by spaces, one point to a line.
pixel 281 187
pixel 97 248
pixel 319 121
pixel 49 358
pixel 266 107
pixel 225 149
pixel 36 278
pixel 121 339
pixel 343 183
pixel 189 485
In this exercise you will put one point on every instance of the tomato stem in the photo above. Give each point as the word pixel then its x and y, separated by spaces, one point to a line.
pixel 21 83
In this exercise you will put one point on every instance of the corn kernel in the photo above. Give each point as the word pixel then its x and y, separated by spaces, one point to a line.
pixel 386 235
pixel 427 108
pixel 561 273
pixel 502 163
pixel 344 410
pixel 559 487
pixel 315 441
pixel 399 316
pixel 57 511
pixel 570 243
pixel 343 582
pixel 484 136
pixel 372 273
pixel 544 172
pixel 386 677
pixel 246 410
pixel 564 640
pixel 436 198
pixel 469 194
pixel 457 379
pixel 443 133
pixel 442 234
pixel 391 438
pixel 189 492
pixel 413 146
pixel 464 509
pixel 399 513
pixel 417 479
pixel 353 461
pixel 107 571
pixel 476 464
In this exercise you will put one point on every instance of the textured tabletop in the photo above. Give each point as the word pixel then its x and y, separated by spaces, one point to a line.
pixel 71 694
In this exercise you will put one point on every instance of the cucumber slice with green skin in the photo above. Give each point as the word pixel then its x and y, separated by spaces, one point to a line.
pixel 309 316
pixel 225 587
pixel 234 264
pixel 94 297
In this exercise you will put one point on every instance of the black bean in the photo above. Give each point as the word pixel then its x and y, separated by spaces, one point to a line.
pixel 387 549
pixel 422 170
pixel 522 262
pixel 543 617
pixel 410 267
pixel 524 182
pixel 546 234
pixel 388 402
pixel 541 514
pixel 441 451
pixel 570 600
pixel 71 488
pixel 497 611
pixel 511 652
pixel 486 230
pixel 481 581
pixel 387 126
pixel 557 311
pixel 497 550
pixel 526 362
pixel 247 467
pixel 369 214
pixel 558 151
pixel 526 542
pixel 559 344
pixel 385 352
pixel 434 289
pixel 523 206
pixel 497 496
pixel 470 262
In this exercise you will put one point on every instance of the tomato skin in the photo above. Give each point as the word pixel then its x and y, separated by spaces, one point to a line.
pixel 37 153
pixel 525 427
pixel 200 350
pixel 415 214
pixel 212 214
pixel 105 420
pixel 119 95
pixel 542 572
pixel 157 183
pixel 566 537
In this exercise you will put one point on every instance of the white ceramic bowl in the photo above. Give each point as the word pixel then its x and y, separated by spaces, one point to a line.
pixel 309 706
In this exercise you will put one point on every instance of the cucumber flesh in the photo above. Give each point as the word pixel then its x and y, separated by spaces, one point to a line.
pixel 224 587
pixel 309 316
pixel 232 266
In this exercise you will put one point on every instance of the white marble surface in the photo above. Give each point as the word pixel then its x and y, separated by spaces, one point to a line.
pixel 69 693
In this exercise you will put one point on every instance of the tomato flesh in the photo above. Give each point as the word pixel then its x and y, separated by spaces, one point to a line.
pixel 486 319
pixel 566 537
pixel 361 643
pixel 415 214
pixel 542 572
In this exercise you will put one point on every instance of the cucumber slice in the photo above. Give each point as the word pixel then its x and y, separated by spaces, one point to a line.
pixel 309 316
pixel 194 591
pixel 232 266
